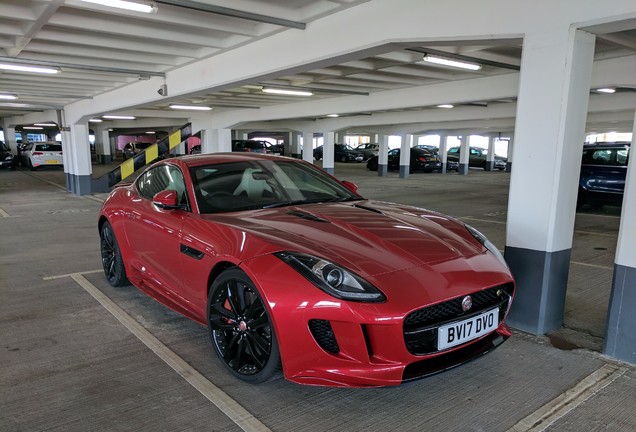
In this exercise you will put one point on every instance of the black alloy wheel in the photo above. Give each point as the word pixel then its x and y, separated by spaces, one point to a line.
pixel 112 261
pixel 372 165
pixel 240 328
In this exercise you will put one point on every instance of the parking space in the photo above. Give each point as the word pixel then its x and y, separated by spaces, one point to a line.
pixel 71 363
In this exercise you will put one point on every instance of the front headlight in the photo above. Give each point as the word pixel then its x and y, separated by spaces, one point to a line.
pixel 331 278
pixel 487 244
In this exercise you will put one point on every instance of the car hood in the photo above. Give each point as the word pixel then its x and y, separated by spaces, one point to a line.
pixel 370 238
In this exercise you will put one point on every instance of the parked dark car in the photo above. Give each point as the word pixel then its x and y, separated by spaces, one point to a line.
pixel 603 172
pixel 368 150
pixel 196 149
pixel 342 153
pixel 133 148
pixel 275 149
pixel 7 159
pixel 421 160
pixel 251 146
pixel 477 158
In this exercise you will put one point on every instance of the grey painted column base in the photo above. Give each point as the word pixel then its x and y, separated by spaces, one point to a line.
pixel 490 165
pixel 508 166
pixel 104 159
pixel 78 184
pixel 541 279
pixel 404 171
pixel 383 169
pixel 620 339
pixel 443 170
pixel 329 170
pixel 463 169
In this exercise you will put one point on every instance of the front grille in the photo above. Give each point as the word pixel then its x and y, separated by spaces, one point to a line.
pixel 420 326
pixel 324 335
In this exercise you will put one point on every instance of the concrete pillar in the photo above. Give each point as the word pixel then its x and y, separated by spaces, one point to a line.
pixel 383 155
pixel 77 159
pixel 464 154
pixel 555 78
pixel 308 147
pixel 490 158
pixel 9 137
pixel 102 146
pixel 328 141
pixel 295 151
pixel 216 140
pixel 405 155
pixel 510 149
pixel 443 152
pixel 620 338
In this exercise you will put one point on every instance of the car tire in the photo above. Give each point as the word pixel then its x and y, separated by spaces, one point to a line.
pixel 240 328
pixel 112 261
pixel 343 159
pixel 580 199
pixel 372 166
pixel 31 167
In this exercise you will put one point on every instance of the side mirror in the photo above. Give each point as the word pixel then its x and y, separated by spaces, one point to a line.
pixel 167 200
pixel 351 186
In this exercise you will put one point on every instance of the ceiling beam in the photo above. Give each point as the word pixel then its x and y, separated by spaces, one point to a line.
pixel 45 14
pixel 234 13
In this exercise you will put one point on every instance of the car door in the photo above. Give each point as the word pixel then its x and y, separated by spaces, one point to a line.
pixel 394 159
pixel 154 233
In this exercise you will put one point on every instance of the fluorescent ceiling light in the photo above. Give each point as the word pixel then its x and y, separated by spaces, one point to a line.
pixel 45 124
pixel 32 127
pixel 7 96
pixel 118 117
pixel 95 120
pixel 332 115
pixel 151 132
pixel 34 69
pixel 452 63
pixel 191 107
pixel 445 106
pixel 606 90
pixel 140 6
pixel 287 92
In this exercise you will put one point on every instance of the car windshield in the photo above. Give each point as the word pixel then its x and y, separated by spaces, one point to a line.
pixel 249 185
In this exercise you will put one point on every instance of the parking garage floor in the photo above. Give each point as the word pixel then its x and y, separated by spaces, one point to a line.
pixel 77 354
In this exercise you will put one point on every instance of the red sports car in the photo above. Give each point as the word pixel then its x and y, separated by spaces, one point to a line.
pixel 288 266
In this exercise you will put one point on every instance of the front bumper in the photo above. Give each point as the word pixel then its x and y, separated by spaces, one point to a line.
pixel 327 341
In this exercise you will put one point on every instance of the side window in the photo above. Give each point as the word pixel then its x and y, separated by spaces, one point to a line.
pixel 454 150
pixel 162 178
pixel 394 152
pixel 622 157
pixel 602 157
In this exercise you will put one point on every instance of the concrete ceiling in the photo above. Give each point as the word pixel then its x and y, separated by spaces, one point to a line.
pixel 99 49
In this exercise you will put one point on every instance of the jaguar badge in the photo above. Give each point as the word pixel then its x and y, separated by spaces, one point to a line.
pixel 467 303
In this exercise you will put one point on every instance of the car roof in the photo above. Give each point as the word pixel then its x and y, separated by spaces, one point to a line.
pixel 214 158
pixel 617 144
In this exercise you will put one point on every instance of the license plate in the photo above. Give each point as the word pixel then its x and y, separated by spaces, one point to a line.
pixel 52 161
pixel 460 332
pixel 359 158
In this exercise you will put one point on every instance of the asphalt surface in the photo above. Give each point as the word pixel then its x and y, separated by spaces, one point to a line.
pixel 77 354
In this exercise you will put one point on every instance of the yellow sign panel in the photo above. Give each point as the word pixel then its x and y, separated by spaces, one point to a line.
pixel 174 139
pixel 127 168
pixel 152 153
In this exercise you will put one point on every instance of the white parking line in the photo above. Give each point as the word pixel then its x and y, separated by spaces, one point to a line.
pixel 4 213
pixel 592 265
pixel 558 407
pixel 223 402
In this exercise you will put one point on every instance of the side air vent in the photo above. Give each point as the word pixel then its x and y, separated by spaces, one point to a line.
pixel 324 335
